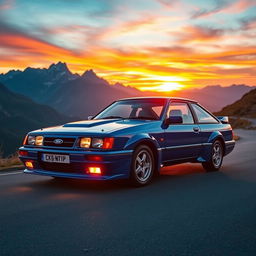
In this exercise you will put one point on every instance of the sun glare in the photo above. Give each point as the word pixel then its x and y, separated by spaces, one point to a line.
pixel 163 83
pixel 164 87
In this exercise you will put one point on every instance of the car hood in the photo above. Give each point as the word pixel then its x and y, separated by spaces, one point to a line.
pixel 95 126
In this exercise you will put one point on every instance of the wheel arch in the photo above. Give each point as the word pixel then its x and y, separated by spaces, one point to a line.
pixel 151 142
pixel 217 136
pixel 207 147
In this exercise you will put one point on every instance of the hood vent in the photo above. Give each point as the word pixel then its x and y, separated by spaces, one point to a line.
pixel 89 123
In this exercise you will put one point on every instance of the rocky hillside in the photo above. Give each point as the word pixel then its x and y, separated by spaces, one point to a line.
pixel 18 115
pixel 245 107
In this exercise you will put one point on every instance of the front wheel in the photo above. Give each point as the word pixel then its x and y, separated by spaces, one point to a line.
pixel 143 165
pixel 216 158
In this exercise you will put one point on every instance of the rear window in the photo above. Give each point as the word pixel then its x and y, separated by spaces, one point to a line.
pixel 203 116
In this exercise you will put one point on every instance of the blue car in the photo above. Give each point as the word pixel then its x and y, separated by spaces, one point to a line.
pixel 130 139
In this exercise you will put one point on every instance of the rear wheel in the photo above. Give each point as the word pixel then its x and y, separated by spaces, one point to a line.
pixel 216 157
pixel 143 165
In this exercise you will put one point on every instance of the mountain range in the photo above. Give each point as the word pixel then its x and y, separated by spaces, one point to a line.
pixel 68 93
pixel 86 94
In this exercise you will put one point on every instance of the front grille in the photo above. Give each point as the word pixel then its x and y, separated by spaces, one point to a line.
pixel 59 167
pixel 66 142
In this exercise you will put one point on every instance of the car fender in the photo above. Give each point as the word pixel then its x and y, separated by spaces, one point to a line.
pixel 205 155
pixel 215 135
pixel 145 138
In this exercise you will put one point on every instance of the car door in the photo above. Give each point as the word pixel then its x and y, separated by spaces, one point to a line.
pixel 181 141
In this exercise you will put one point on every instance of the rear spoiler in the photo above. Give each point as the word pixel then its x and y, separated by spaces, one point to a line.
pixel 223 119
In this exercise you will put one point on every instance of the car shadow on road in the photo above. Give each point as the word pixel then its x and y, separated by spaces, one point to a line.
pixel 64 184
pixel 177 177
pixel 180 180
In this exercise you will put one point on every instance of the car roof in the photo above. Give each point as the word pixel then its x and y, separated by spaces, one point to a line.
pixel 159 97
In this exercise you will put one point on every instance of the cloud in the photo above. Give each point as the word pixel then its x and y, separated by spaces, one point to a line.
pixel 219 5
pixel 21 49
pixel 7 4
pixel 224 6
pixel 248 23
pixel 191 33
pixel 239 6
pixel 168 3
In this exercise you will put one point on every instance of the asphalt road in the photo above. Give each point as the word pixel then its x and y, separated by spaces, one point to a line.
pixel 184 212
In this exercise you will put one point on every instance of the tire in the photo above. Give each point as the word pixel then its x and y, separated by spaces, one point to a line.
pixel 142 167
pixel 217 153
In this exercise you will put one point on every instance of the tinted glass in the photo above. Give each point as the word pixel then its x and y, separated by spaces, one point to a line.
pixel 203 116
pixel 149 109
pixel 181 109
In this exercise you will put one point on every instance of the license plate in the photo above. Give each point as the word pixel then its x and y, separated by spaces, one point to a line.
pixel 53 158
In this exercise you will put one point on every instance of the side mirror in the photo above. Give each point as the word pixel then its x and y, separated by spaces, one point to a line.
pixel 90 117
pixel 174 120
pixel 223 119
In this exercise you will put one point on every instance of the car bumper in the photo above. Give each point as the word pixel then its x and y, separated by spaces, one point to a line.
pixel 113 164
pixel 229 146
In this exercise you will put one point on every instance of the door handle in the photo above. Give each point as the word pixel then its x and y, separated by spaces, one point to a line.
pixel 196 129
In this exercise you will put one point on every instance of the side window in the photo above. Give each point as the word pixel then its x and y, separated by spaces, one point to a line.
pixel 203 116
pixel 181 109
pixel 157 110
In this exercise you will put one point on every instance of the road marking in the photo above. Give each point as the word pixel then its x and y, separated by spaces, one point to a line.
pixel 10 173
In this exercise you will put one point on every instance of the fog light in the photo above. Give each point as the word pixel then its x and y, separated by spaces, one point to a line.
pixel 29 164
pixel 94 170
pixel 23 153
pixel 94 158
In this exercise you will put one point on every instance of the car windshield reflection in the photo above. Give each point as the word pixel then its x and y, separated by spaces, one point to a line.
pixel 140 109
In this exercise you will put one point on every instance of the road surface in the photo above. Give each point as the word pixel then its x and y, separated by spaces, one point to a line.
pixel 185 212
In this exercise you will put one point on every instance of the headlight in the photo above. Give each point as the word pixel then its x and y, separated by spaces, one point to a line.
pixel 35 140
pixel 106 143
pixel 97 143
pixel 31 140
pixel 85 142
pixel 39 140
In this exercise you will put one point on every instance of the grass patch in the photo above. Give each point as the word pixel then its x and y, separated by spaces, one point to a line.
pixel 236 137
pixel 9 162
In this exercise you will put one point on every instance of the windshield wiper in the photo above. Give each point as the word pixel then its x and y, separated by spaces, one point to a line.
pixel 143 118
pixel 112 117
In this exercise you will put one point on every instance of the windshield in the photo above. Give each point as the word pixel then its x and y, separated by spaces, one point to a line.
pixel 148 109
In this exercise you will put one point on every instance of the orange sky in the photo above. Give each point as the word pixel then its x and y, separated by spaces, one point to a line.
pixel 151 45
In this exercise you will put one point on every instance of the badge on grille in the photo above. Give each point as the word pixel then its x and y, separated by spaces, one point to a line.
pixel 58 141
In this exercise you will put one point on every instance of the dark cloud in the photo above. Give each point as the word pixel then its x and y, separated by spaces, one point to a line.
pixel 248 23
pixel 12 31
pixel 219 5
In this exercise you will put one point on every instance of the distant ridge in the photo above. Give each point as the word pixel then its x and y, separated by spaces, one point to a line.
pixel 245 107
